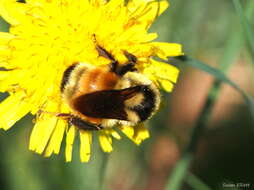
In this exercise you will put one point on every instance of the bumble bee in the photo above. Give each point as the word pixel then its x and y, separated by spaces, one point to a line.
pixel 104 96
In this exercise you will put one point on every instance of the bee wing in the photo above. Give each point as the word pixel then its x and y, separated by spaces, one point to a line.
pixel 108 104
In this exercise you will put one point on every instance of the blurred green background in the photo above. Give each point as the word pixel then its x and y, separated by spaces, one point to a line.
pixel 209 31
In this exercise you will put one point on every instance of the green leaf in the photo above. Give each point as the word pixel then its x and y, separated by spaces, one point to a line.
pixel 222 77
pixel 196 183
pixel 245 24
pixel 4 26
pixel 181 169
pixel 179 172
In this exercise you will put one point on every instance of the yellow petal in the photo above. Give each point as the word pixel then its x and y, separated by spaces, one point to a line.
pixel 56 139
pixel 115 134
pixel 12 11
pixel 112 132
pixel 12 109
pixel 8 79
pixel 47 36
pixel 128 131
pixel 137 133
pixel 112 4
pixel 166 85
pixel 5 52
pixel 97 3
pixel 165 50
pixel 69 143
pixel 162 73
pixel 85 145
pixel 140 133
pixel 41 133
pixel 105 141
pixel 5 37
pixel 146 11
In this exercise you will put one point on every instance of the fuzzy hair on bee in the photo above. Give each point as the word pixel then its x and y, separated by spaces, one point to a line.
pixel 108 95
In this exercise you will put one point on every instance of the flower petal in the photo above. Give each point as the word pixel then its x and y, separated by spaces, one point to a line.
pixel 43 129
pixel 105 141
pixel 85 145
pixel 146 11
pixel 56 139
pixel 140 133
pixel 137 134
pixel 47 36
pixel 69 143
pixel 12 109
pixel 162 74
pixel 114 134
pixel 5 37
pixel 165 50
pixel 12 11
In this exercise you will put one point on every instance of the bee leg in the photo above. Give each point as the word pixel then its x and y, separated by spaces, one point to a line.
pixel 114 65
pixel 125 68
pixel 79 123
pixel 131 58
pixel 104 53
pixel 129 66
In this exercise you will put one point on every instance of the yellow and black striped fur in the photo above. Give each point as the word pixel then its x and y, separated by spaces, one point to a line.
pixel 105 96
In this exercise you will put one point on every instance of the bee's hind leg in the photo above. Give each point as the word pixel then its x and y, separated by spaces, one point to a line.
pixel 79 123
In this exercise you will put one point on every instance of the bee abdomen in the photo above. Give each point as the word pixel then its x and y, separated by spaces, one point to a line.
pixel 66 76
pixel 148 104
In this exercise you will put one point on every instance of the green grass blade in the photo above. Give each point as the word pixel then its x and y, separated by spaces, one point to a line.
pixel 245 24
pixel 222 77
pixel 179 172
pixel 196 184
pixel 103 172
pixel 4 26
pixel 181 169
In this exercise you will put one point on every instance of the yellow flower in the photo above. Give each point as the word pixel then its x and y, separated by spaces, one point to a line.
pixel 47 36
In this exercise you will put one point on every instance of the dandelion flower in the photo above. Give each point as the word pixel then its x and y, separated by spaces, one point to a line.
pixel 47 36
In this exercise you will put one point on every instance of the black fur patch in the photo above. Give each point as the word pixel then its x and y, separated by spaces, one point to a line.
pixel 145 109
pixel 66 75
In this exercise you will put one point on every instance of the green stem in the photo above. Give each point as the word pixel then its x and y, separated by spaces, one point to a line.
pixel 196 183
pixel 231 52
pixel 103 170
pixel 245 25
